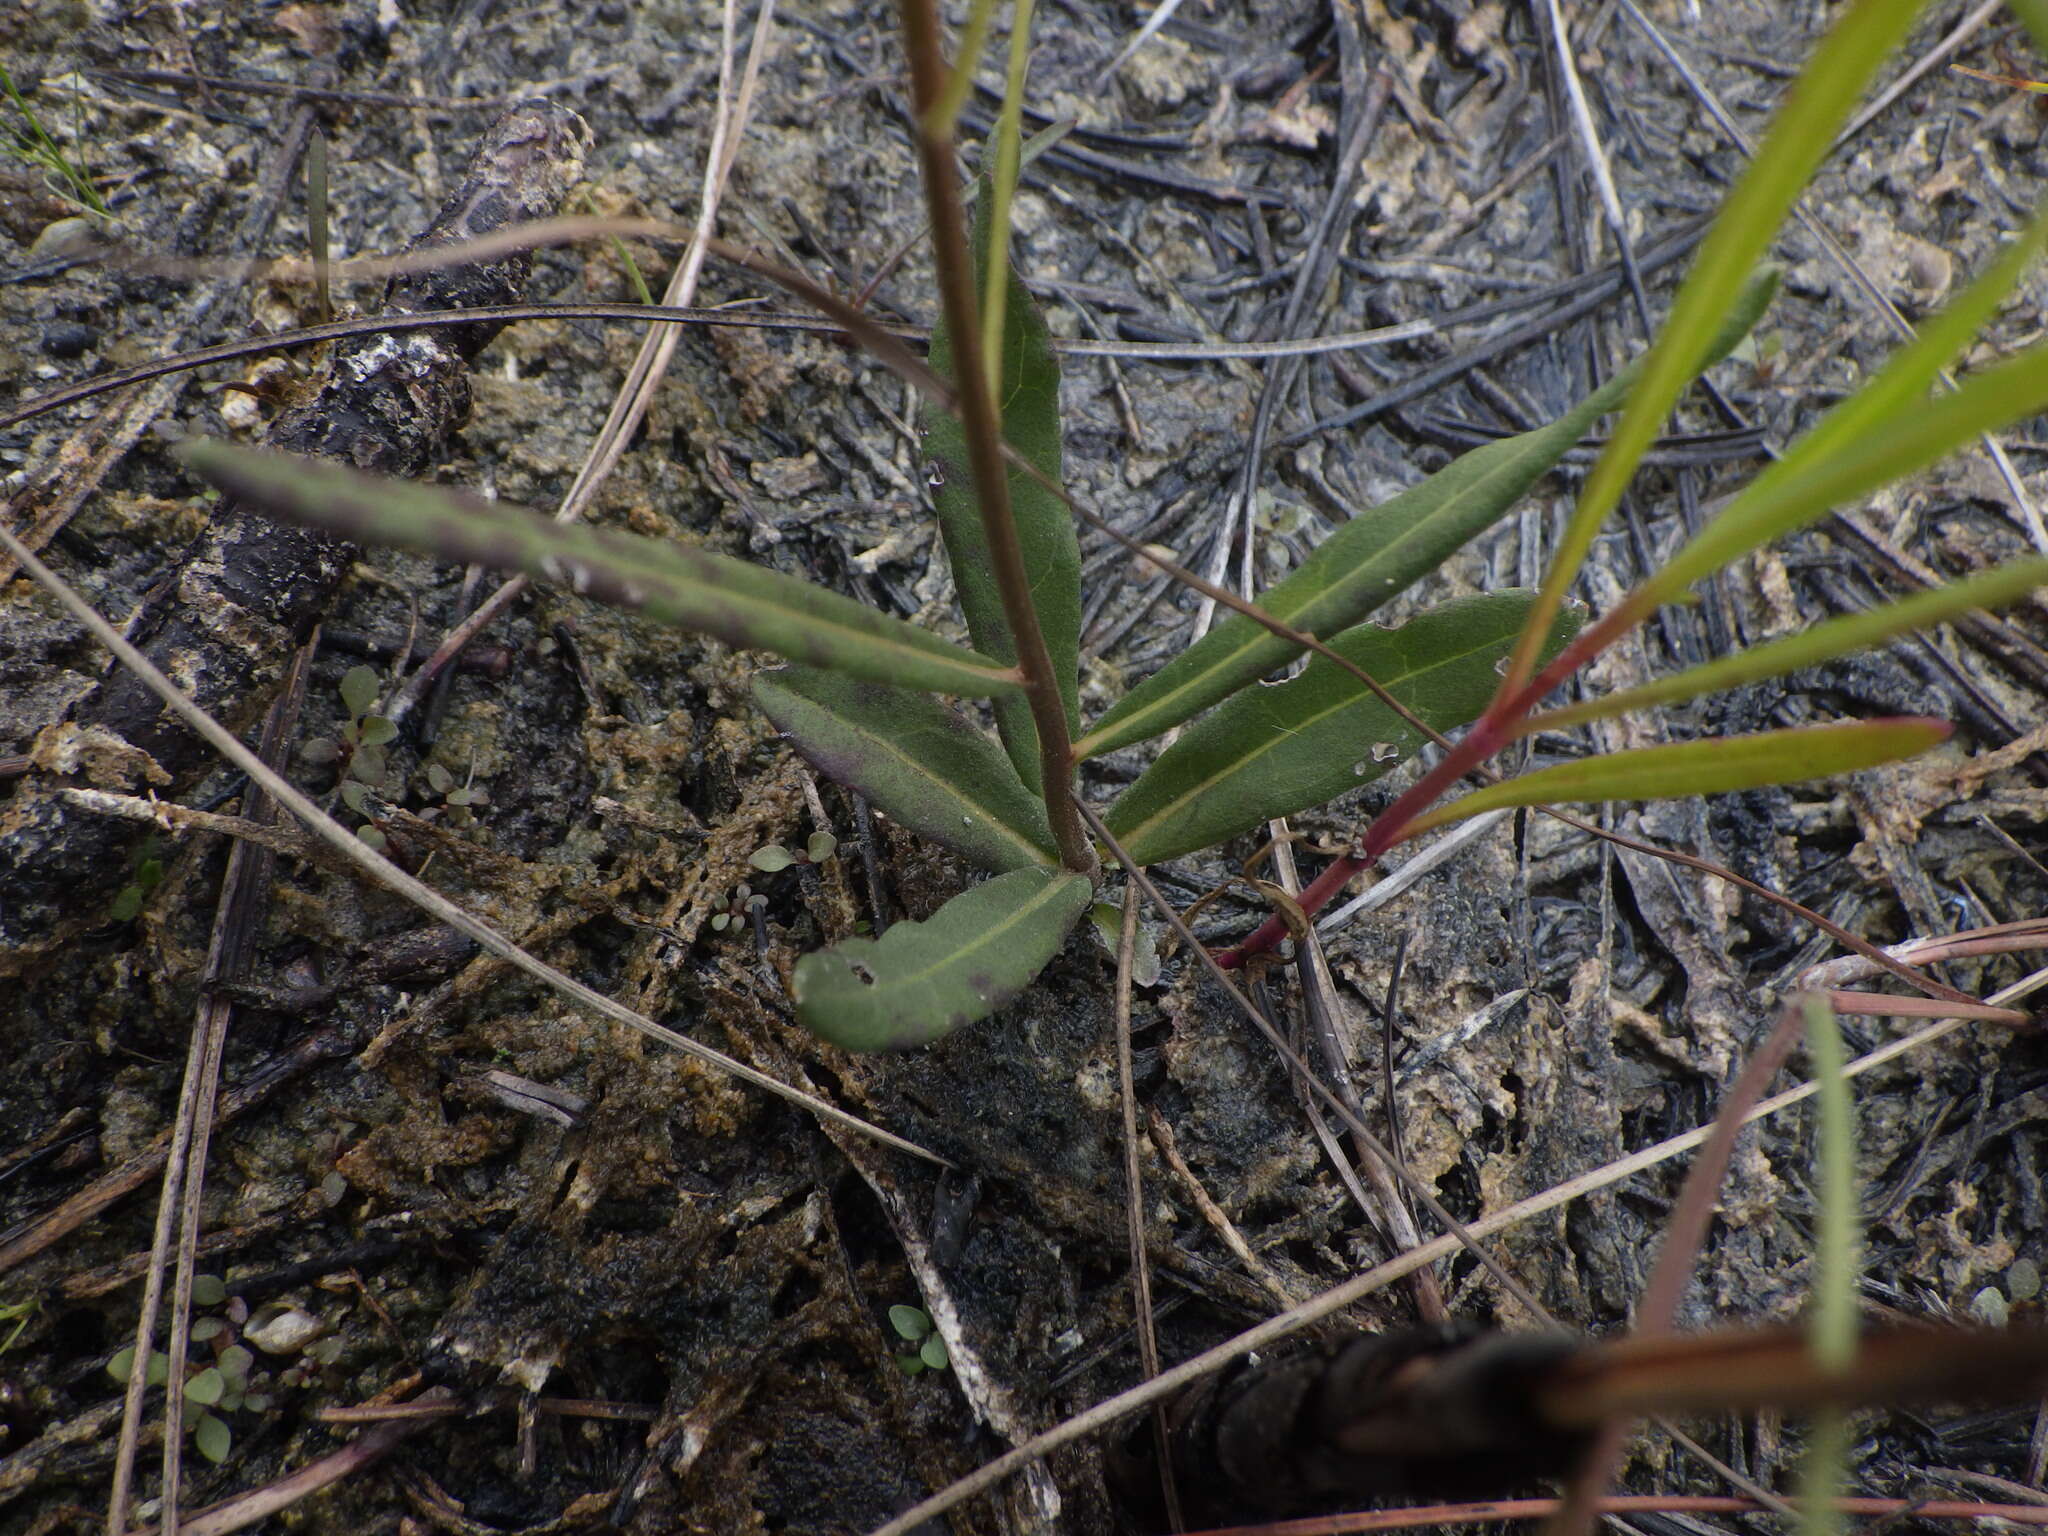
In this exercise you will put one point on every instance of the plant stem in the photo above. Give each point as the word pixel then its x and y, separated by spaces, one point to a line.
pixel 1486 737
pixel 1003 188
pixel 978 418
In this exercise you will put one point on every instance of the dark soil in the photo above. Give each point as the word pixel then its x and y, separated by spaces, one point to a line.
pixel 703 1257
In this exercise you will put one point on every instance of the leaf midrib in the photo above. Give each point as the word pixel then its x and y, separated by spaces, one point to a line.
pixel 1273 744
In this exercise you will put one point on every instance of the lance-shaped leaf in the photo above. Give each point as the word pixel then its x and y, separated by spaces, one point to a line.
pixel 1706 767
pixel 920 981
pixel 916 759
pixel 672 583
pixel 1743 230
pixel 1842 636
pixel 1374 556
pixel 1276 750
pixel 1885 430
pixel 1028 406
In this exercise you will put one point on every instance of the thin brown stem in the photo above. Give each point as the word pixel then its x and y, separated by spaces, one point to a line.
pixel 984 435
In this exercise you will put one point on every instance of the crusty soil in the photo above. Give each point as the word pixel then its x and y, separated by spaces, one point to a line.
pixel 704 1254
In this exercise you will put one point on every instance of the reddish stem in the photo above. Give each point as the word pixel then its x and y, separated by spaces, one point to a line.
pixel 1490 732
pixel 1486 737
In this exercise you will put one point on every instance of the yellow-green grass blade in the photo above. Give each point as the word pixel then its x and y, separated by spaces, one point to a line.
pixel 1816 106
pixel 1704 767
pixel 1823 642
pixel 1887 450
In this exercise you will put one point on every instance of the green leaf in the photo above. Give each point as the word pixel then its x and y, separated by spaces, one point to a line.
pixel 122 1366
pixel 911 1323
pixel 1837 1260
pixel 211 1438
pixel 1823 642
pixel 670 582
pixel 208 1290
pixel 377 731
pixel 127 903
pixel 1276 750
pixel 1886 429
pixel 820 846
pixel 1746 224
pixel 922 980
pixel 909 1365
pixel 1028 406
pixel 206 1387
pixel 1108 919
pixel 1706 767
pixel 771 859
pixel 916 759
pixel 1374 557
pixel 359 690
pixel 933 1353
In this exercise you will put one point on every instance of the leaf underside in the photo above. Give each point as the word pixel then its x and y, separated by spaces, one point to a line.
pixel 1028 409
pixel 921 981
pixel 672 583
pixel 1273 751
pixel 916 759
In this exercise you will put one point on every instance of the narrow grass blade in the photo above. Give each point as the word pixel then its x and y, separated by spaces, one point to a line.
pixel 1908 440
pixel 1270 752
pixel 1831 1331
pixel 1910 372
pixel 923 980
pixel 916 759
pixel 1028 404
pixel 1375 556
pixel 1705 767
pixel 1817 104
pixel 1831 638
pixel 669 582
pixel 1895 396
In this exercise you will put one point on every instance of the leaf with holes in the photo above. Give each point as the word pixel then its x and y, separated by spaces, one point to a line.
pixel 1273 751
pixel 921 981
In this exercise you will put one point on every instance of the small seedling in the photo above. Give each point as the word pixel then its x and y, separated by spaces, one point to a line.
pixel 29 142
pixel 458 801
pixel 732 907
pixel 774 858
pixel 149 874
pixel 358 752
pixel 914 1326
pixel 223 1387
